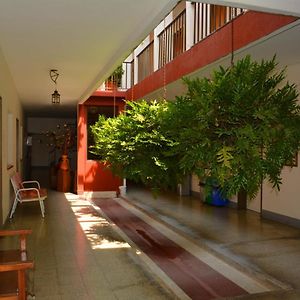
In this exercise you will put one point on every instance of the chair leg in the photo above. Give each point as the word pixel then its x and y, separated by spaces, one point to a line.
pixel 13 207
pixel 42 207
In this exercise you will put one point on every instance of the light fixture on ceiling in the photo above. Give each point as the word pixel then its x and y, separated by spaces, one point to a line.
pixel 55 96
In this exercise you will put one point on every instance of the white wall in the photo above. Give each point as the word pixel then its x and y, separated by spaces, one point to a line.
pixel 285 202
pixel 37 127
pixel 10 104
pixel 195 184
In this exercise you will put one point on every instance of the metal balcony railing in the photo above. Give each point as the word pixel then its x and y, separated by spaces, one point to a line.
pixel 209 18
pixel 128 76
pixel 204 20
pixel 172 41
pixel 145 62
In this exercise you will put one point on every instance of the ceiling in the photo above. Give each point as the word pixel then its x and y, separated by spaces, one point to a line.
pixel 83 39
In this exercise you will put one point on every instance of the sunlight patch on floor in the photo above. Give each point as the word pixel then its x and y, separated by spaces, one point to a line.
pixel 98 230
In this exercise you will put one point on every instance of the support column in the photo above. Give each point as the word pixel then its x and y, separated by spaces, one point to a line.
pixel 81 147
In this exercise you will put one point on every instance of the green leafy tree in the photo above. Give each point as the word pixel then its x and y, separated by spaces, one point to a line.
pixel 238 127
pixel 134 145
pixel 235 129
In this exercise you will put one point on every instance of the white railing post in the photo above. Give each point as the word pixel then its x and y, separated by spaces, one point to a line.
pixel 155 48
pixel 136 66
pixel 208 20
pixel 189 25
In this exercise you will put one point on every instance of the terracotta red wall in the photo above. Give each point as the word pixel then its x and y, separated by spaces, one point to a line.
pixel 92 175
pixel 246 28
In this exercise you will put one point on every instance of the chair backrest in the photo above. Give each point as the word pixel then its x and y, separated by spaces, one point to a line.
pixel 16 182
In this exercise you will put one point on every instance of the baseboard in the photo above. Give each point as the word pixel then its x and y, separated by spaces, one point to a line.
pixel 232 204
pixel 281 218
pixel 196 194
pixel 100 194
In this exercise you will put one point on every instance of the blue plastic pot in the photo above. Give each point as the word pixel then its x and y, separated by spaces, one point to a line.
pixel 215 198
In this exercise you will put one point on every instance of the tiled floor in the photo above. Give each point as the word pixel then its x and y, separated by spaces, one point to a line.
pixel 196 278
pixel 79 256
pixel 268 250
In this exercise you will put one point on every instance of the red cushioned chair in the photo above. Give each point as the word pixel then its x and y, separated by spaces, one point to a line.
pixel 27 194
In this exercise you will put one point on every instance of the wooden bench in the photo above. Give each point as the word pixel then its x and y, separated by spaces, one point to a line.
pixel 13 265
pixel 27 194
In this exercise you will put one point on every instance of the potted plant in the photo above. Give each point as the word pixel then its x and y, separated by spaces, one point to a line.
pixel 214 196
pixel 115 79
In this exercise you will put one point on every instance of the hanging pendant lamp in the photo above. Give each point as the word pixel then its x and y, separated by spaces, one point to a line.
pixel 55 95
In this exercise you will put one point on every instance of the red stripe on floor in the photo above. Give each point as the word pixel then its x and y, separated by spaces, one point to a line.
pixel 194 277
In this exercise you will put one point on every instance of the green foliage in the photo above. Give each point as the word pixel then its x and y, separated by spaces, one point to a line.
pixel 116 76
pixel 234 129
pixel 135 145
pixel 239 127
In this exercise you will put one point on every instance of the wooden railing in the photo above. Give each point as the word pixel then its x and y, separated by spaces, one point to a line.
pixel 145 62
pixel 172 41
pixel 208 18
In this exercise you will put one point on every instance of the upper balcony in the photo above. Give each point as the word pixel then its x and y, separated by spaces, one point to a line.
pixel 190 37
pixel 188 24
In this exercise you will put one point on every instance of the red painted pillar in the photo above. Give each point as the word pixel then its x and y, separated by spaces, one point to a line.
pixel 81 147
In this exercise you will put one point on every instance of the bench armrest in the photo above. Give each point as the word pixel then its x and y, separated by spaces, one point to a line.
pixel 16 266
pixel 28 189
pixel 15 232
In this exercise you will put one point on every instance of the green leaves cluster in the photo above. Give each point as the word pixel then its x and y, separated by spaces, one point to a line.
pixel 236 128
pixel 135 145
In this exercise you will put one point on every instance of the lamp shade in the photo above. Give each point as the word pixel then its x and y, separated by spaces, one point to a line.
pixel 55 97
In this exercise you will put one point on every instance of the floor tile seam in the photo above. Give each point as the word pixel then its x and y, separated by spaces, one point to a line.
pixel 160 276
pixel 263 277
pixel 240 273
